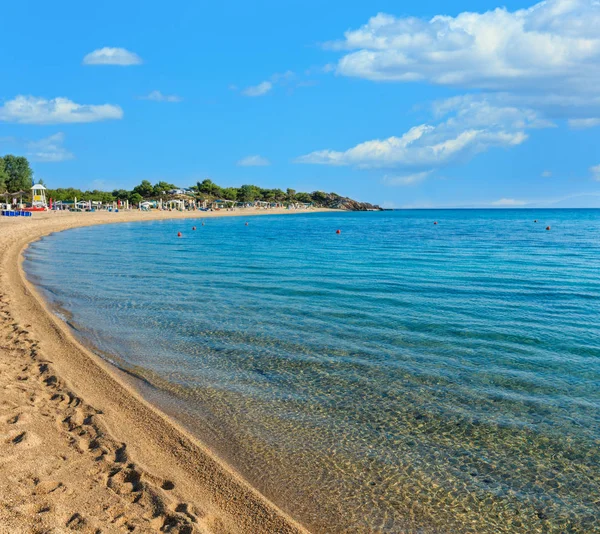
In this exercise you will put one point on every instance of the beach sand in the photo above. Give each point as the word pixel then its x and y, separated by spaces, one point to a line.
pixel 80 450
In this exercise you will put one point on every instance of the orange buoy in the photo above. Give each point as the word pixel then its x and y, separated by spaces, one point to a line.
pixel 178 234
pixel 338 231
pixel 193 227
pixel 547 228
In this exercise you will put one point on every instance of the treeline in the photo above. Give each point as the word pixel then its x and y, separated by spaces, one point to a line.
pixel 205 190
pixel 251 193
pixel 15 174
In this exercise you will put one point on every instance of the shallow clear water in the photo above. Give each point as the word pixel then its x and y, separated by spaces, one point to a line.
pixel 399 377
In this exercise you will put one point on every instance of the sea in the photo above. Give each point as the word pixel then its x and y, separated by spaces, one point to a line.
pixel 400 376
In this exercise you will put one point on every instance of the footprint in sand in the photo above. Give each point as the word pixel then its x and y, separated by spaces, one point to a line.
pixel 14 420
pixel 25 440
pixel 76 522
pixel 167 485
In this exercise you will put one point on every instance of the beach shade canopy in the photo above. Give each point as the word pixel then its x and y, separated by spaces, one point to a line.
pixel 38 187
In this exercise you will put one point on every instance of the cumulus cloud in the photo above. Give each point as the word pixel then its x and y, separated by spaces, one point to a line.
pixel 470 126
pixel 50 149
pixel 595 170
pixel 254 161
pixel 258 90
pixel 545 56
pixel 157 96
pixel 37 110
pixel 112 56
pixel 554 42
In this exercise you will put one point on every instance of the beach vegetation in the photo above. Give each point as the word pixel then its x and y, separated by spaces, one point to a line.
pixel 145 189
pixel 135 198
pixel 249 193
pixel 161 188
pixel 229 193
pixel 18 174
pixel 3 176
pixel 208 187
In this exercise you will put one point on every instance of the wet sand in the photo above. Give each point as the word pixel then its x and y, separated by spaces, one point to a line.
pixel 79 448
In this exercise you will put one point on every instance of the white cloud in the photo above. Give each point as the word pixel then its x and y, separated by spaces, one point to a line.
pixel 279 78
pixel 36 110
pixel 112 56
pixel 471 126
pixel 157 96
pixel 254 161
pixel 546 174
pixel 258 90
pixel 509 202
pixel 595 170
pixel 544 57
pixel 579 124
pixel 49 149
pixel 554 43
pixel 407 179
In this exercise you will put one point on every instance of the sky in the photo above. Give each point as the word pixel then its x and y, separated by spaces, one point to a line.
pixel 461 103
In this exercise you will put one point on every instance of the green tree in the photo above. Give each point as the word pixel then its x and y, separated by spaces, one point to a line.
pixel 120 194
pixel 268 195
pixel 20 175
pixel 208 187
pixel 319 197
pixel 290 195
pixel 162 187
pixel 145 189
pixel 303 197
pixel 3 176
pixel 248 193
pixel 229 193
pixel 279 195
pixel 135 198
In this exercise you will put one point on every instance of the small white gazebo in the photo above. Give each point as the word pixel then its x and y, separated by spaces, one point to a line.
pixel 38 196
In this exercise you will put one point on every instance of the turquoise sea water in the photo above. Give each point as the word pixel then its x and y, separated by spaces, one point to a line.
pixel 398 377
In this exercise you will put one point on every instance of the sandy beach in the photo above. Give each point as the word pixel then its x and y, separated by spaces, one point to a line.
pixel 80 449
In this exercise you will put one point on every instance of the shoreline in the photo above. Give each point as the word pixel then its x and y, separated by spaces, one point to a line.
pixel 66 411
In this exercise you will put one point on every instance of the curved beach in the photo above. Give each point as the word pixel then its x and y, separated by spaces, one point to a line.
pixel 80 448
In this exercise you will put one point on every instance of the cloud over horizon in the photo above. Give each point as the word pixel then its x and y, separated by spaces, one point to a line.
pixel 37 110
pixel 471 126
pixel 112 56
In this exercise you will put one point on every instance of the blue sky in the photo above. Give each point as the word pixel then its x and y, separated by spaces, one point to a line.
pixel 434 104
